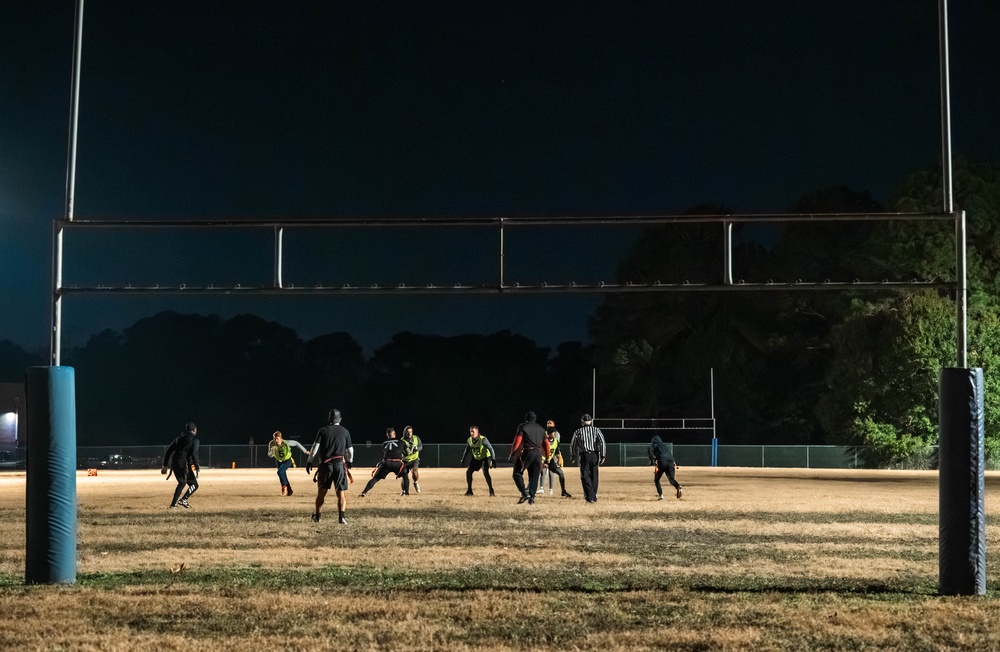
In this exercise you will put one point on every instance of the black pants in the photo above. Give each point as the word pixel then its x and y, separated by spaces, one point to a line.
pixel 590 465
pixel 553 467
pixel 384 469
pixel 530 461
pixel 665 466
pixel 186 479
pixel 474 466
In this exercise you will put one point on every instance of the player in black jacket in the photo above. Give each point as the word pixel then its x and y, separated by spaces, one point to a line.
pixel 182 459
pixel 392 462
pixel 530 447
pixel 661 457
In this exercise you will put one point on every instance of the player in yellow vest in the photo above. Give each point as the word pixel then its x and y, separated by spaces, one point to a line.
pixel 479 451
pixel 411 456
pixel 554 461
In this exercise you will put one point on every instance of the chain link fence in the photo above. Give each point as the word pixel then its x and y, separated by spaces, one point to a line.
pixel 450 455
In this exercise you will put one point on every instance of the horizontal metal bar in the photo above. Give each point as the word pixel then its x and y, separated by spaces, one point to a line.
pixel 483 222
pixel 658 428
pixel 515 288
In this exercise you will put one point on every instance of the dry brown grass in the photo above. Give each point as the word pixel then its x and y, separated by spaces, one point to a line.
pixel 749 559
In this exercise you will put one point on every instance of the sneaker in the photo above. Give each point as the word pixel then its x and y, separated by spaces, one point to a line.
pixel 659 496
pixel 172 507
pixel 184 503
pixel 361 495
pixel 469 492
pixel 550 492
pixel 679 492
pixel 290 492
pixel 416 486
pixel 315 517
pixel 284 490
pixel 567 494
pixel 405 493
pixel 522 499
pixel 531 501
pixel 492 494
pixel 343 521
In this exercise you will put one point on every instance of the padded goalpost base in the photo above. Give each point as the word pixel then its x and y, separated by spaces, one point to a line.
pixel 51 476
pixel 961 518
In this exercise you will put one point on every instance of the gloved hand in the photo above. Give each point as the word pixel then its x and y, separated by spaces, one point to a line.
pixel 493 463
pixel 309 467
pixel 163 470
pixel 349 465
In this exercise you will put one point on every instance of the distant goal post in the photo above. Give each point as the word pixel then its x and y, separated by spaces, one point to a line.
pixel 662 425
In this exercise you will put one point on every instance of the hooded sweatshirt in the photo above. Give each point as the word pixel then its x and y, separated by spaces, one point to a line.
pixel 659 452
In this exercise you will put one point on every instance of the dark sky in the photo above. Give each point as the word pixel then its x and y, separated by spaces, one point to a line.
pixel 274 109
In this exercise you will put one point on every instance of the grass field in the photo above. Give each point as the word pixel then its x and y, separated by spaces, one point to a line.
pixel 749 559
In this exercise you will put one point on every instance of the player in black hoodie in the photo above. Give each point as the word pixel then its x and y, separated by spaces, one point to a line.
pixel 661 457
pixel 182 458
pixel 392 462
pixel 530 447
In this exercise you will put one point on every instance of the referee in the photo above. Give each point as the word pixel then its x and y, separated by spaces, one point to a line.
pixel 589 448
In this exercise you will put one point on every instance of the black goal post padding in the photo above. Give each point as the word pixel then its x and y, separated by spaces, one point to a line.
pixel 961 518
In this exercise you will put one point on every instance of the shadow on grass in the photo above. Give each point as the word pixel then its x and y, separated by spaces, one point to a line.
pixel 916 586
pixel 377 581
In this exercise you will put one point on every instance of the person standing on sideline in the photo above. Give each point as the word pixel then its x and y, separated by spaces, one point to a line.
pixel 281 451
pixel 554 461
pixel 333 453
pixel 663 460
pixel 392 462
pixel 412 455
pixel 588 447
pixel 480 454
pixel 181 459
pixel 530 447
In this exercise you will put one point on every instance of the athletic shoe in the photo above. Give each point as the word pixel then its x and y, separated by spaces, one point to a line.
pixel 416 486
pixel 343 521
pixel 522 499
pixel 550 492
pixel 184 503
pixel 361 495
pixel 469 492
pixel 492 494
pixel 531 501
pixel 659 496
pixel 172 507
pixel 290 492
pixel 405 493
pixel 679 492
pixel 284 490
pixel 566 494
pixel 315 518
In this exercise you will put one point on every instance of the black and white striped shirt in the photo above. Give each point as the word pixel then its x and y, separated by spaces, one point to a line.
pixel 588 439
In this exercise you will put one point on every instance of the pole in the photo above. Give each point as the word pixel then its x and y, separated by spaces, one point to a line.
pixel 501 254
pixel 961 514
pixel 715 441
pixel 279 236
pixel 593 394
pixel 55 343
pixel 948 190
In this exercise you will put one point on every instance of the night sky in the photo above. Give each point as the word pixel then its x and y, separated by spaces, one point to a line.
pixel 318 109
